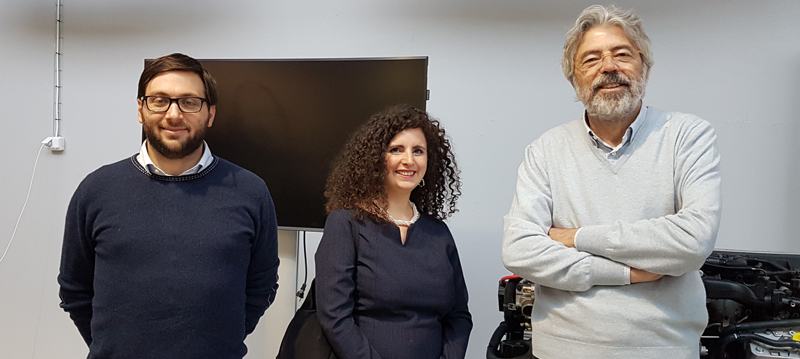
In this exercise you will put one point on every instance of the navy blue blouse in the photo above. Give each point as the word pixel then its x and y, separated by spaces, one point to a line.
pixel 400 300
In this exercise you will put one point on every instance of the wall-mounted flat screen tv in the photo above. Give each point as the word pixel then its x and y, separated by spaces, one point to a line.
pixel 286 120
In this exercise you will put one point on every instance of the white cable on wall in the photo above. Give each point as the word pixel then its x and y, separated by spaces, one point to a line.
pixel 56 143
pixel 57 94
pixel 24 205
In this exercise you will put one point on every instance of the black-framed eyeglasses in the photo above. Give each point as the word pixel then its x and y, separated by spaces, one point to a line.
pixel 162 103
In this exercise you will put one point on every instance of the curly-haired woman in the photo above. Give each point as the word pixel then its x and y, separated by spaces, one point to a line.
pixel 399 292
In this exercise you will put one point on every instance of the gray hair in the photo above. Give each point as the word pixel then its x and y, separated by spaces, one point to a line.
pixel 597 15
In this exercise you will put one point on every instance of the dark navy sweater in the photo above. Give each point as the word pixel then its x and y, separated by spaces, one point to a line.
pixel 399 301
pixel 168 267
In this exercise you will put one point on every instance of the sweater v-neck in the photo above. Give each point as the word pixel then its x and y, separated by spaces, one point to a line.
pixel 624 151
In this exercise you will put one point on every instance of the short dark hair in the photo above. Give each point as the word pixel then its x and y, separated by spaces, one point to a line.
pixel 178 62
pixel 357 178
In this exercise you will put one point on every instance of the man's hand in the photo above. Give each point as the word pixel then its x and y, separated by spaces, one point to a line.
pixel 641 276
pixel 565 236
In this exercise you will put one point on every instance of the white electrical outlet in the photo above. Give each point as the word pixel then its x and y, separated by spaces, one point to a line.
pixel 55 144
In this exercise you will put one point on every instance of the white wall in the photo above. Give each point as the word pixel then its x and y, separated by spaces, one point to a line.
pixel 495 84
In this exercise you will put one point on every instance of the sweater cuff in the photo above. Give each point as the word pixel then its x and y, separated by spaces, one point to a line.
pixel 608 272
pixel 627 275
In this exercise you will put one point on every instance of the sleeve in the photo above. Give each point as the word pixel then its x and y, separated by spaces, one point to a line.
pixel 76 273
pixel 457 324
pixel 262 273
pixel 335 266
pixel 678 243
pixel 530 253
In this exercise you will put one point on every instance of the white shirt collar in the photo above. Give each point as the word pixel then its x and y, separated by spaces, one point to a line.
pixel 144 159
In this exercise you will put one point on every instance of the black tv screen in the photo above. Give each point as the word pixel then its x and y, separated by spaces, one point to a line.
pixel 286 120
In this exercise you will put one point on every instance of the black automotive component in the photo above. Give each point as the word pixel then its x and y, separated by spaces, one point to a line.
pixel 753 303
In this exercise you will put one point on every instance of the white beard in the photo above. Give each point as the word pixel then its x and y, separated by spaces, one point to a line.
pixel 612 107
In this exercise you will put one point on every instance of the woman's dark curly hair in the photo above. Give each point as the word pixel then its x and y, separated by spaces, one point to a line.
pixel 357 178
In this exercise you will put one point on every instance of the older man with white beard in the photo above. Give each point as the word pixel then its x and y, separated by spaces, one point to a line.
pixel 615 212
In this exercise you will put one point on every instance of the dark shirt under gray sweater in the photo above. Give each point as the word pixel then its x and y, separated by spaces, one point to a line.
pixel 399 301
pixel 169 267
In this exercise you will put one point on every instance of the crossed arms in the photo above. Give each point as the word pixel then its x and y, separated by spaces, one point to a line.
pixel 542 247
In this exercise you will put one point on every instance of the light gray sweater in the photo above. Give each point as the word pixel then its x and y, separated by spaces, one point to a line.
pixel 655 206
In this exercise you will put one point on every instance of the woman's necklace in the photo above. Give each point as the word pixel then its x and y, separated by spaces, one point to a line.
pixel 400 222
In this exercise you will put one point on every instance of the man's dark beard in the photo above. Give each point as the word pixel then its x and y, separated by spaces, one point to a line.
pixel 191 145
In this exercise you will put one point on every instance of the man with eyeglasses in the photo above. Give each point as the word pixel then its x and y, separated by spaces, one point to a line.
pixel 171 253
pixel 615 212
